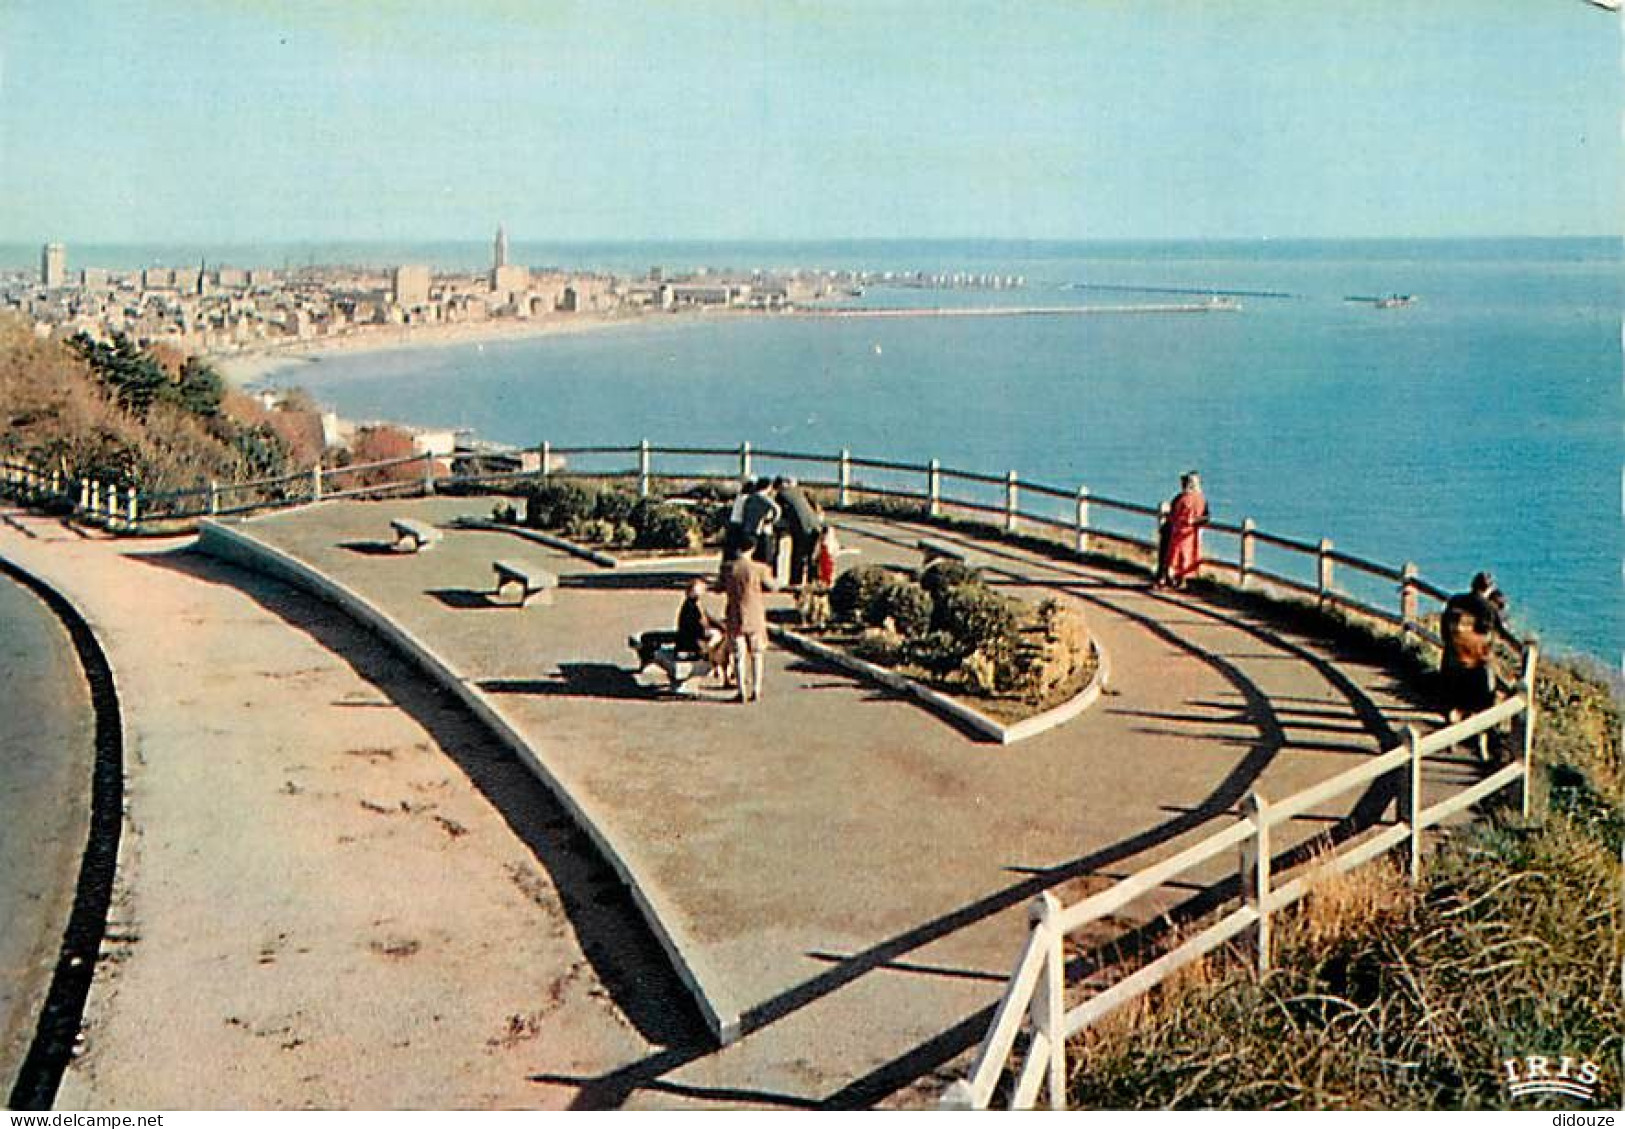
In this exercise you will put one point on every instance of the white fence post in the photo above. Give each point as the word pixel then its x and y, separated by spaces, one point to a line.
pixel 1526 687
pixel 1049 1002
pixel 1407 597
pixel 1324 574
pixel 843 497
pixel 84 495
pixel 1012 499
pixel 130 506
pixel 744 459
pixel 1249 551
pixel 1255 873
pixel 214 496
pixel 316 482
pixel 1410 801
pixel 933 487
pixel 428 473
pixel 643 468
pixel 1081 523
pixel 56 484
pixel 547 458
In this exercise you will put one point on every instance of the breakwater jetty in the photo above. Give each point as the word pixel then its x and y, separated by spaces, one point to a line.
pixel 1218 306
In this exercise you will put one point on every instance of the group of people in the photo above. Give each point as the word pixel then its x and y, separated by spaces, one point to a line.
pixel 765 512
pixel 770 510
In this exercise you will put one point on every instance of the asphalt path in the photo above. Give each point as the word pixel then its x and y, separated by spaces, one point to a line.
pixel 47 752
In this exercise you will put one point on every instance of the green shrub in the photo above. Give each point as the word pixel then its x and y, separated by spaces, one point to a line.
pixel 854 590
pixel 943 573
pixel 555 505
pixel 712 518
pixel 936 651
pixel 980 619
pixel 659 525
pixel 879 646
pixel 903 602
pixel 614 506
pixel 592 530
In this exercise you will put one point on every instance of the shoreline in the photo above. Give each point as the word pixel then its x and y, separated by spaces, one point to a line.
pixel 250 365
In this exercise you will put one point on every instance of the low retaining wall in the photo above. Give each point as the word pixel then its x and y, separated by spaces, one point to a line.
pixel 232 543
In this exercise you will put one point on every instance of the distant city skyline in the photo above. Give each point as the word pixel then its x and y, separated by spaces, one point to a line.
pixel 231 122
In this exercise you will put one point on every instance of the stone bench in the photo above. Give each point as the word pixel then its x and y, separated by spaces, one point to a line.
pixel 413 536
pixel 938 551
pixel 531 579
pixel 679 668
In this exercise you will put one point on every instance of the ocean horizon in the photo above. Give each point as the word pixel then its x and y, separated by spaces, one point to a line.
pixel 636 256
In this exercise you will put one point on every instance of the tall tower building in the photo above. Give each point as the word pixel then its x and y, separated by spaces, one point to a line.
pixel 499 252
pixel 53 265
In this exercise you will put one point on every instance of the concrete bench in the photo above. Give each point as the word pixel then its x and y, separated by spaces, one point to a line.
pixel 413 536
pixel 530 579
pixel 937 551
pixel 679 669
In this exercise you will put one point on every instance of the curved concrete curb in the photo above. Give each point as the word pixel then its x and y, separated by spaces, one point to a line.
pixel 602 560
pixel 233 544
pixel 104 864
pixel 597 557
pixel 952 707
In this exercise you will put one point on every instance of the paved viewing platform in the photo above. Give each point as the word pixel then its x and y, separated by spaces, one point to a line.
pixel 840 876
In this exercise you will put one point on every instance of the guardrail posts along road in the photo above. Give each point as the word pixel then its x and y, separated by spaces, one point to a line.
pixel 1081 523
pixel 744 459
pixel 643 468
pixel 844 495
pixel 933 487
pixel 547 458
pixel 316 482
pixel 1012 502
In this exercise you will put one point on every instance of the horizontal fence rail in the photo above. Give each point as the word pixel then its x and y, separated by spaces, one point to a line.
pixel 1029 998
pixel 1314 570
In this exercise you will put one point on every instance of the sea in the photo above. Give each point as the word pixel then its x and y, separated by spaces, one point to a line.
pixel 1478 427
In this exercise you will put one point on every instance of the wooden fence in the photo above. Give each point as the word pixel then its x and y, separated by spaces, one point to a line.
pixel 1076 517
pixel 1034 994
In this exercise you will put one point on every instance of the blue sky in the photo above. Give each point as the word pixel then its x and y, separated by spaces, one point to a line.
pixel 212 121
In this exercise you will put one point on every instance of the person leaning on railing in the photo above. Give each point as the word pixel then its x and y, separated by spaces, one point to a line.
pixel 1469 626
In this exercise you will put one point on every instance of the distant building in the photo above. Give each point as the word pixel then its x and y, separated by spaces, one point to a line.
pixel 411 285
pixel 93 278
pixel 499 251
pixel 53 265
pixel 508 281
pixel 231 278
pixel 158 278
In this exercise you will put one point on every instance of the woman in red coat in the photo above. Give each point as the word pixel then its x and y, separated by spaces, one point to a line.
pixel 1181 549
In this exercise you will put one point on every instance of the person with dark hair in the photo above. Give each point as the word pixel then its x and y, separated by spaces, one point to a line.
pixel 697 634
pixel 803 523
pixel 1468 627
pixel 758 514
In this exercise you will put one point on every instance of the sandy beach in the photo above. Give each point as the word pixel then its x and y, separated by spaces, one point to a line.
pixel 257 363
